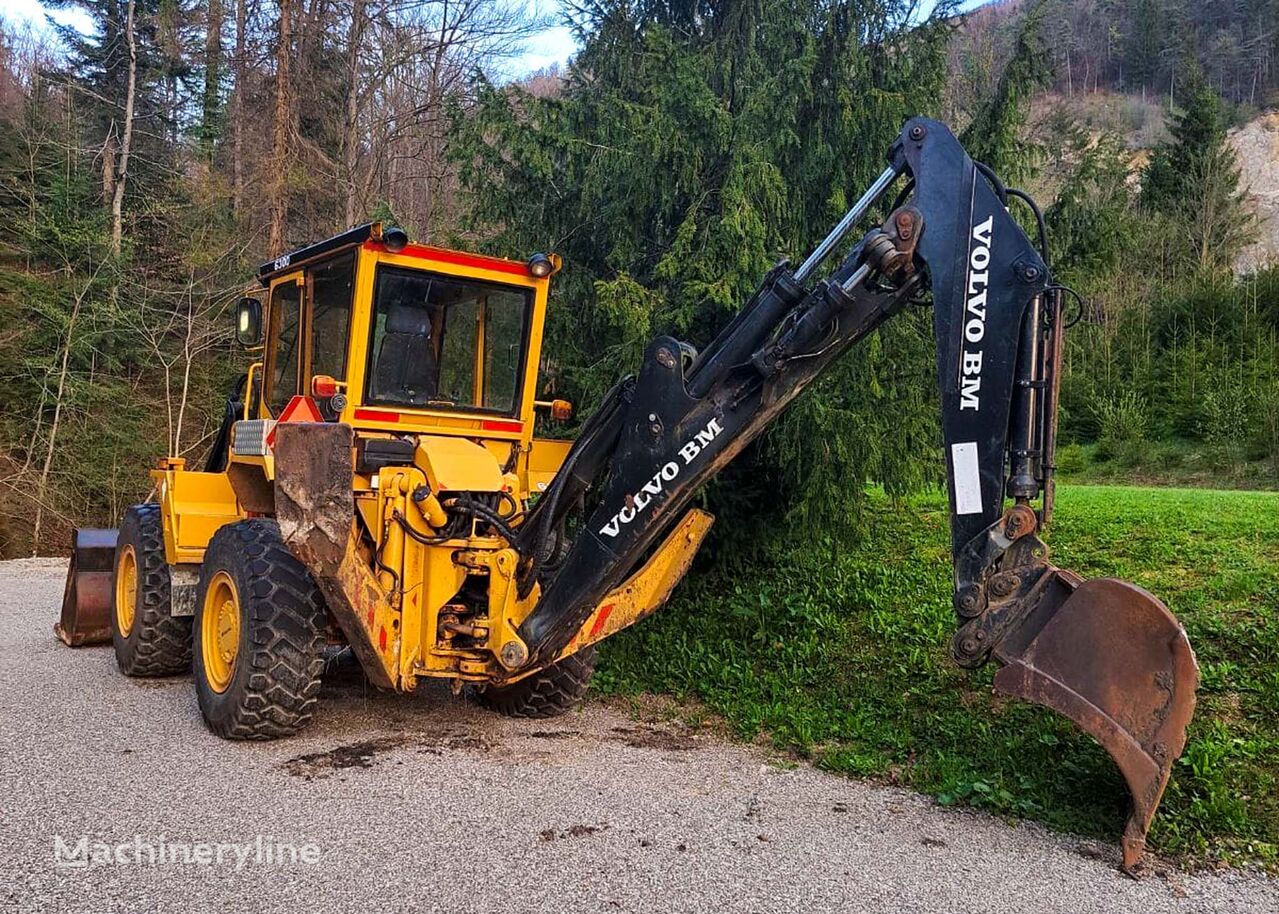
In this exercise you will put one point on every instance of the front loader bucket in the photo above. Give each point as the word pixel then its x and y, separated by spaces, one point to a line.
pixel 87 600
pixel 1113 659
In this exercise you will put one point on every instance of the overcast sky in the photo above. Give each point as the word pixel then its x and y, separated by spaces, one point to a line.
pixel 552 45
pixel 29 12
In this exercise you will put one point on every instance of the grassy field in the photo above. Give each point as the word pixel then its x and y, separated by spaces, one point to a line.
pixel 1168 463
pixel 841 656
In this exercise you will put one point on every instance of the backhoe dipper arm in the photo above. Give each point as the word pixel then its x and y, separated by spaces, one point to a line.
pixel 664 433
pixel 1104 653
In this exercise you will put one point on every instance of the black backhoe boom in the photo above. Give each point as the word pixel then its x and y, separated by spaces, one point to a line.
pixel 1102 652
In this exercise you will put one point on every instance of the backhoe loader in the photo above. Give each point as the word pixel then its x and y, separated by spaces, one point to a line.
pixel 377 482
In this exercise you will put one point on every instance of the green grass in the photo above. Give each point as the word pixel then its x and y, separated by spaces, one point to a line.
pixel 1169 463
pixel 841 655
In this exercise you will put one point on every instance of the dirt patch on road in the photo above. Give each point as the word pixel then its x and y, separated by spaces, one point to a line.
pixel 573 831
pixel 351 755
pixel 365 753
pixel 654 738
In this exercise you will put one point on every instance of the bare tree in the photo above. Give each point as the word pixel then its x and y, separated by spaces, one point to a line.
pixel 282 126
pixel 59 401
pixel 240 70
pixel 422 56
pixel 126 140
pixel 350 124
pixel 180 327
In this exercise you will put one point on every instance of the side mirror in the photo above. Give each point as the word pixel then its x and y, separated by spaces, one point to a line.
pixel 248 322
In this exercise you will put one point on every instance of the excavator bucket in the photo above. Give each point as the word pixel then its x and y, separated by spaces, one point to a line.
pixel 1113 659
pixel 87 600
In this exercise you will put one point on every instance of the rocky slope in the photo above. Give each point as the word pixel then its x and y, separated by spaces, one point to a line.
pixel 1257 146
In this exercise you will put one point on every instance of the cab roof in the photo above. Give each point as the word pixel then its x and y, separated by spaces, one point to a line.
pixel 372 231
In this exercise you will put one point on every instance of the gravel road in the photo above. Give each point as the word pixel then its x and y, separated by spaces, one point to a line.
pixel 425 801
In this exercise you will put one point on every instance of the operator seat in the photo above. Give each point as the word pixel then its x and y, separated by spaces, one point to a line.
pixel 406 370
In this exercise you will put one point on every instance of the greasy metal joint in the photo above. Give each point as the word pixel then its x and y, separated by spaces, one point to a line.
pixel 1019 521
pixel 513 655
pixel 968 601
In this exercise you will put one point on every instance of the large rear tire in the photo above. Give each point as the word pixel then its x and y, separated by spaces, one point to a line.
pixel 260 631
pixel 148 639
pixel 552 692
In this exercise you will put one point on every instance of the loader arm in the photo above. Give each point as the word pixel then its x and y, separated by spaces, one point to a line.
pixel 1104 653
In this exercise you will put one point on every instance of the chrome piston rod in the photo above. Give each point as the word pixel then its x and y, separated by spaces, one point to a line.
pixel 868 199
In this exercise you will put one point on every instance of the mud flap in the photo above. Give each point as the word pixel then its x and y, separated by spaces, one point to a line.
pixel 1112 658
pixel 87 599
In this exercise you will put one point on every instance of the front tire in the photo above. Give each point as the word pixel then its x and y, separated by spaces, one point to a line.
pixel 148 639
pixel 260 631
pixel 548 693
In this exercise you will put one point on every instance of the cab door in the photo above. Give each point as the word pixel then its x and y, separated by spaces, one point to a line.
pixel 282 377
pixel 330 290
pixel 309 331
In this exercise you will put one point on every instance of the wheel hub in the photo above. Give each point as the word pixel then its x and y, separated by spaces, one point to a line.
pixel 220 631
pixel 126 591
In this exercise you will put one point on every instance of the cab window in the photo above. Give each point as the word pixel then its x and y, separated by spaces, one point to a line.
pixel 286 312
pixel 332 285
pixel 504 334
pixel 457 362
pixel 446 343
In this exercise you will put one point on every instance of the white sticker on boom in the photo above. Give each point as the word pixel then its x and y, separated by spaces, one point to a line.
pixel 967 476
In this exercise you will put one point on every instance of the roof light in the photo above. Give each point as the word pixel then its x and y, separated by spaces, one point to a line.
pixel 540 266
pixel 395 239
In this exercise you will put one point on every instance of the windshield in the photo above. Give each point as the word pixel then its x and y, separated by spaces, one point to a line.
pixel 443 342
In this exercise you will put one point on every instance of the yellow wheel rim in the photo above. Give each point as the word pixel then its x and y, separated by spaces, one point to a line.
pixel 126 590
pixel 220 631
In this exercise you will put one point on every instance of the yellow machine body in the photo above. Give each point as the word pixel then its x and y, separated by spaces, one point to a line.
pixel 392 584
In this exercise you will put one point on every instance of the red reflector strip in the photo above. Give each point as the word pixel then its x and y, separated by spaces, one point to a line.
pixel 473 261
pixel 493 425
pixel 377 415
pixel 605 612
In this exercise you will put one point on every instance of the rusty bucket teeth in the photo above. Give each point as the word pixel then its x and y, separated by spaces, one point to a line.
pixel 1113 659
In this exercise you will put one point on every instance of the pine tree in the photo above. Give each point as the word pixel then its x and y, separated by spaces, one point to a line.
pixel 694 145
pixel 212 114
pixel 1193 180
pixel 997 136
pixel 1143 43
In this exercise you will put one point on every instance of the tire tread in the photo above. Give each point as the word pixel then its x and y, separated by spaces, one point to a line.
pixel 548 693
pixel 162 646
pixel 288 631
